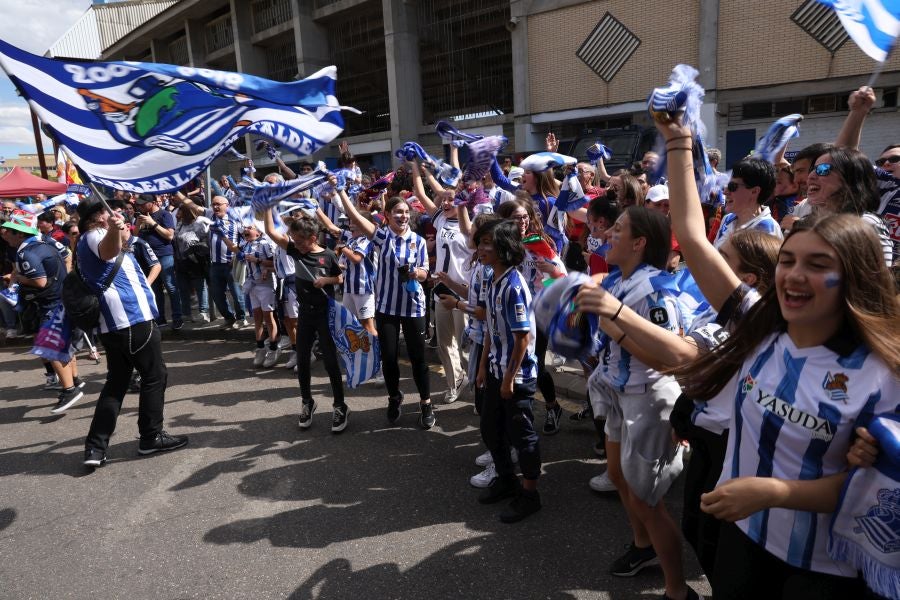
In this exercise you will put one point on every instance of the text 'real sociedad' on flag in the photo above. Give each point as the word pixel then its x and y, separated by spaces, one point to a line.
pixel 148 127
pixel 872 24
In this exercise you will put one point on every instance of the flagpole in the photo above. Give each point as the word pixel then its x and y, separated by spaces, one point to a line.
pixel 880 67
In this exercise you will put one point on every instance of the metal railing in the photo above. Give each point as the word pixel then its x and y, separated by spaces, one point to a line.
pixel 219 34
pixel 269 13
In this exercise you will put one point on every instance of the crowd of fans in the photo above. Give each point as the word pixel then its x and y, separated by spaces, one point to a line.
pixel 795 268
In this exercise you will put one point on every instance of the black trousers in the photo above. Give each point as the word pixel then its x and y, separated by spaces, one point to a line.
pixel 311 325
pixel 544 379
pixel 746 570
pixel 701 530
pixel 135 348
pixel 389 327
pixel 505 422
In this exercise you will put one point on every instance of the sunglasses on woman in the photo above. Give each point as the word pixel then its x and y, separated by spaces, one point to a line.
pixel 823 170
pixel 890 159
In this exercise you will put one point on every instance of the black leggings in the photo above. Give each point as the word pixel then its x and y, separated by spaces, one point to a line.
pixel 388 327
pixel 544 379
pixel 312 325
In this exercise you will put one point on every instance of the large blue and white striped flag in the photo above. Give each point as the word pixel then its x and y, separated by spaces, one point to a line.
pixel 873 24
pixel 358 350
pixel 148 127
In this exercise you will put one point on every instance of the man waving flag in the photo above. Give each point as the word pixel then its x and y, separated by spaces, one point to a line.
pixel 150 127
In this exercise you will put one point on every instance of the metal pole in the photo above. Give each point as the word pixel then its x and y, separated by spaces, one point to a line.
pixel 38 143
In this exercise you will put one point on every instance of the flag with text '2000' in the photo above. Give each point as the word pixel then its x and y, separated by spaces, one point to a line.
pixel 150 127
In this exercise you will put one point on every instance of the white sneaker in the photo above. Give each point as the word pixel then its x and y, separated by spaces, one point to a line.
pixel 452 395
pixel 485 459
pixel 284 342
pixel 271 358
pixel 556 360
pixel 259 357
pixel 485 478
pixel 204 317
pixel 379 379
pixel 601 483
pixel 292 360
pixel 12 333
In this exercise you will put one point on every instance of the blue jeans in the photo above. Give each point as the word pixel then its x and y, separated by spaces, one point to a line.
pixel 220 279
pixel 166 280
pixel 188 284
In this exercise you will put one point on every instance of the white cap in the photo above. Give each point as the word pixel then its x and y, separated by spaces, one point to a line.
pixel 516 173
pixel 657 193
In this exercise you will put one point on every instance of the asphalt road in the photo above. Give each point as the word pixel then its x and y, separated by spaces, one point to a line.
pixel 256 508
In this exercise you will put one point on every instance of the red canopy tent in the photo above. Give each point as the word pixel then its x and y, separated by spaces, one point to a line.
pixel 19 182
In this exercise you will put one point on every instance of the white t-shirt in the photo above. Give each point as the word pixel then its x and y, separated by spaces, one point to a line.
pixel 451 248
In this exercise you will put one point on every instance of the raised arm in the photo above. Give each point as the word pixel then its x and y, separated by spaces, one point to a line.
pixel 500 179
pixel 669 349
pixel 416 170
pixel 367 227
pixel 454 156
pixel 274 235
pixel 716 279
pixel 860 103
pixel 465 223
pixel 284 169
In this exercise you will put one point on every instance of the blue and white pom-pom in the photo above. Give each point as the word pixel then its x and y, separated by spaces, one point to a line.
pixel 682 96
pixel 597 152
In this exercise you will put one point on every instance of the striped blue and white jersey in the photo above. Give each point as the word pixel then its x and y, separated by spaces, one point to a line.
pixel 534 276
pixel 795 411
pixel 478 281
pixel 359 278
pixel 498 196
pixel 395 251
pixel 284 264
pixel 451 248
pixel 762 222
pixel 621 370
pixel 331 206
pixel 128 300
pixel 219 230
pixel 261 249
pixel 508 311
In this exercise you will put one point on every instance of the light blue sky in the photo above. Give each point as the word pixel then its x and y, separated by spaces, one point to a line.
pixel 33 25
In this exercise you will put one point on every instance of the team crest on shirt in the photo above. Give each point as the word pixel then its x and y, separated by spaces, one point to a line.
pixel 836 386
pixel 879 524
pixel 748 384
pixel 322 261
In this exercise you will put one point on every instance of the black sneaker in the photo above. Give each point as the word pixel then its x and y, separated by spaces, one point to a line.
pixel 634 559
pixel 306 413
pixel 502 487
pixel 600 449
pixel 339 419
pixel 67 398
pixel 79 382
pixel 427 420
pixel 526 503
pixel 691 595
pixel 554 414
pixel 163 442
pixel 584 413
pixel 177 324
pixel 393 411
pixel 94 458
pixel 134 386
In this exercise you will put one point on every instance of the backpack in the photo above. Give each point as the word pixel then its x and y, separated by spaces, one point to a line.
pixel 82 301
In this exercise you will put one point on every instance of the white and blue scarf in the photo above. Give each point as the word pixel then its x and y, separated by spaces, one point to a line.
pixel 446 174
pixel 865 528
